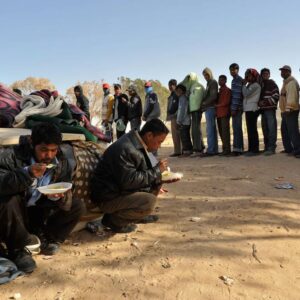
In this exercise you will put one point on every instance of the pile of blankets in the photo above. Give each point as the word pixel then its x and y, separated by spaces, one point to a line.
pixel 41 106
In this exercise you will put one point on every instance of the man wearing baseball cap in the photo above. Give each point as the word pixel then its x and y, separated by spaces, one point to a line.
pixel 289 106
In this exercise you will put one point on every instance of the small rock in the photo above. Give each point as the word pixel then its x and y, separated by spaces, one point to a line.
pixel 165 264
pixel 227 280
pixel 75 244
pixel 16 296
pixel 135 245
pixel 195 219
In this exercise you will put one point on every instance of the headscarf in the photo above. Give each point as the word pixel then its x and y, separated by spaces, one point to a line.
pixel 254 73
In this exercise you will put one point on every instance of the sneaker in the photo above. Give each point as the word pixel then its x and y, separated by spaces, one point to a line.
pixel 23 260
pixel 149 219
pixel 33 244
pixel 49 247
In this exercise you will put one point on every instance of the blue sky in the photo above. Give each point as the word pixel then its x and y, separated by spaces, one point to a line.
pixel 71 40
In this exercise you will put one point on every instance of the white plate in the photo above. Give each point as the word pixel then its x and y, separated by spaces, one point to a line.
pixel 55 188
pixel 168 176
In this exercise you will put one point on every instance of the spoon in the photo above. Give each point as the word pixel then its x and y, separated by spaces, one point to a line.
pixel 51 166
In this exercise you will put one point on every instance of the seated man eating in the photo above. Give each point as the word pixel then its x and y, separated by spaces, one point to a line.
pixel 37 161
pixel 128 178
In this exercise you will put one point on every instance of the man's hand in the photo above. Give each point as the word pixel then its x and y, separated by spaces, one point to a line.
pixel 56 196
pixel 124 100
pixel 37 170
pixel 163 165
pixel 143 118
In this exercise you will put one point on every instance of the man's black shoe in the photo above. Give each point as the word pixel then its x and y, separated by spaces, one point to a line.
pixel 124 229
pixel 23 260
pixel 175 155
pixel 235 153
pixel 49 247
pixel 149 219
pixel 207 154
pixel 250 153
pixel 117 229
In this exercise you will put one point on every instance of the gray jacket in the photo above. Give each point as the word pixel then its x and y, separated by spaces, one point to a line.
pixel 183 116
pixel 251 94
pixel 152 108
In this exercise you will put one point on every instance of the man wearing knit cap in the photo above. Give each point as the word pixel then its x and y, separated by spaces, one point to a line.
pixel 289 106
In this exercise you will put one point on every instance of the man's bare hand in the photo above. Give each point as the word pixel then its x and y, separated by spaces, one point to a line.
pixel 56 196
pixel 37 170
pixel 163 165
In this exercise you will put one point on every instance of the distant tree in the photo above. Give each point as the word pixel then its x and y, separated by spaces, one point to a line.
pixel 31 84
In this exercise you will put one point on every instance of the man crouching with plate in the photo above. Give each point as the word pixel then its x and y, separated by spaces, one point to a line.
pixel 37 161
pixel 128 178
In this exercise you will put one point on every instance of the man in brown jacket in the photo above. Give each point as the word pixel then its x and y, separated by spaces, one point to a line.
pixel 289 106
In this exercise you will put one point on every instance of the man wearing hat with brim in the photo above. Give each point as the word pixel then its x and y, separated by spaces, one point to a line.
pixel 289 106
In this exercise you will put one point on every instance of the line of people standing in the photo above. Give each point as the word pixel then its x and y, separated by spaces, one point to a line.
pixel 255 94
pixel 121 109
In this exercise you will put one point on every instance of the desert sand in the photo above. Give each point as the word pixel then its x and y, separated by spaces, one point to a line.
pixel 242 228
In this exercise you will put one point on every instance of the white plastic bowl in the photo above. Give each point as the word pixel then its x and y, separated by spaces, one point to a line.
pixel 55 188
pixel 169 176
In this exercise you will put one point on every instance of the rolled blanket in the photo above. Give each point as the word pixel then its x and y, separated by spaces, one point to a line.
pixel 35 105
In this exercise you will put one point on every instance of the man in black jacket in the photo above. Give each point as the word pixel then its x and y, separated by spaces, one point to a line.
pixel 172 116
pixel 134 108
pixel 120 110
pixel 37 161
pixel 128 178
pixel 82 101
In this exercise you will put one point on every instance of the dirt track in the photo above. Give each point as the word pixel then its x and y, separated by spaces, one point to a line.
pixel 248 230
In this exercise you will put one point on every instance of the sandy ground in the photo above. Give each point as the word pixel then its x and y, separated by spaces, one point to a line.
pixel 248 231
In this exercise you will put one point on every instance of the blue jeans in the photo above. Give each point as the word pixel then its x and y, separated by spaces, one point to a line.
pixel 238 140
pixel 211 131
pixel 269 127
